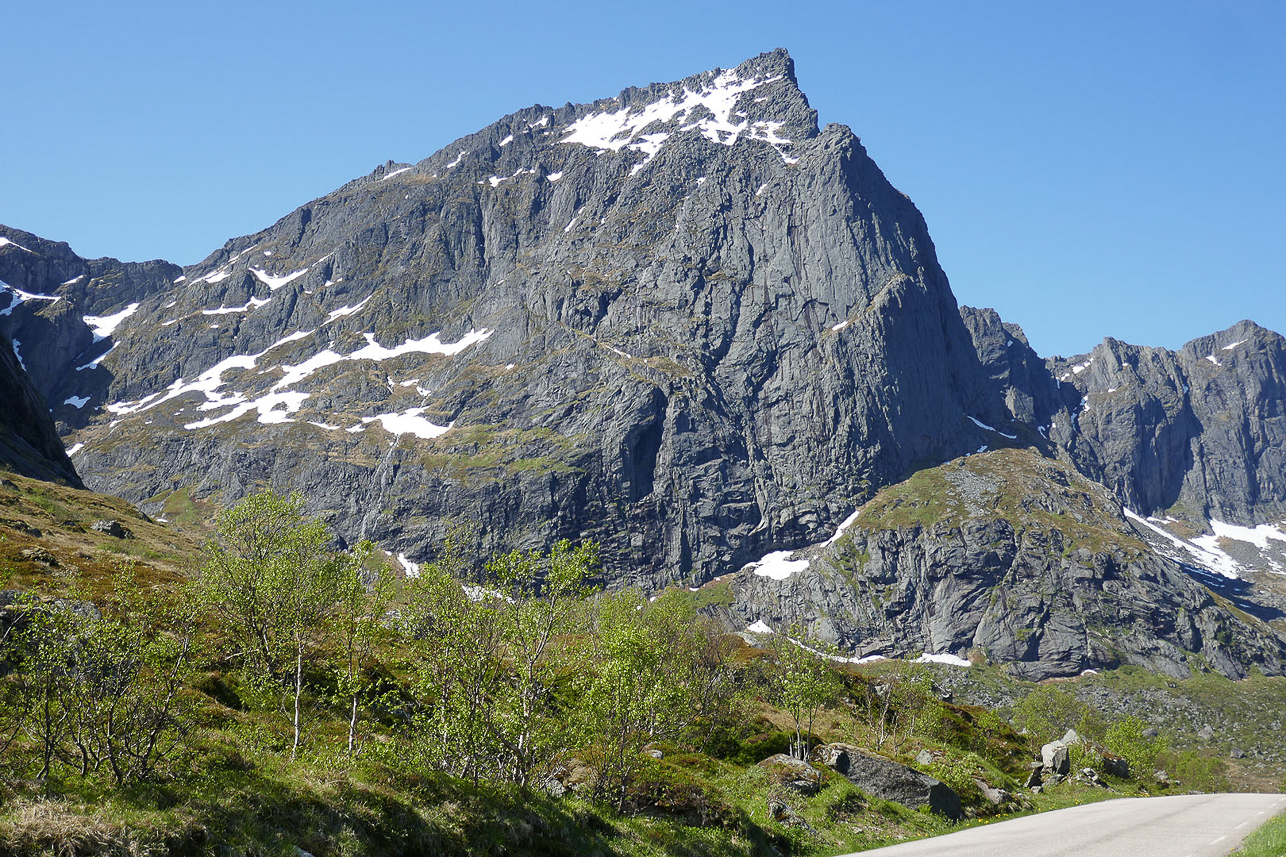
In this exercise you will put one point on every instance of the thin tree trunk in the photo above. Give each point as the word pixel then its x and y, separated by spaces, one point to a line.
pixel 352 725
pixel 299 689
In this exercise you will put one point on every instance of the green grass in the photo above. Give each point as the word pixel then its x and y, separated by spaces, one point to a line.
pixel 1267 841
pixel 1001 483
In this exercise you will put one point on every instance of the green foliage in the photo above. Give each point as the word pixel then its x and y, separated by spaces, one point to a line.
pixel 96 692
pixel 799 681
pixel 1048 712
pixel 901 705
pixel 272 582
pixel 654 671
pixel 1125 739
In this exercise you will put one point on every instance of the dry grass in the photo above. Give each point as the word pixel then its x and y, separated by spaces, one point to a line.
pixel 60 829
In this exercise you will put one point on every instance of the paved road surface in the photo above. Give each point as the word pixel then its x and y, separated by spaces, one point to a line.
pixel 1176 826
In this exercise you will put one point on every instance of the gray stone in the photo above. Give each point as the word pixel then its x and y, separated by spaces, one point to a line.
pixel 1055 758
pixel 792 773
pixel 112 528
pixel 889 780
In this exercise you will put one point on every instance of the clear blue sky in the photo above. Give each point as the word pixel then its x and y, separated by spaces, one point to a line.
pixel 1087 168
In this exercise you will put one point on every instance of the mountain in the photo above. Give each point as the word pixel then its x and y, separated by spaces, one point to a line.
pixel 691 325
pixel 685 322
pixel 1199 432
pixel 1011 558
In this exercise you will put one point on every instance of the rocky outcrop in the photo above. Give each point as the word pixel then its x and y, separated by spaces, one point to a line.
pixel 52 302
pixel 1013 558
pixel 890 780
pixel 685 322
pixel 1198 433
pixel 29 445
pixel 792 773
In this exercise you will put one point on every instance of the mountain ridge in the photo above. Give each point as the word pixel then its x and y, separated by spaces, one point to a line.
pixel 684 322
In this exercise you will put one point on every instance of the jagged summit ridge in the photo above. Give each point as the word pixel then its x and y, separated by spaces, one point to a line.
pixel 758 100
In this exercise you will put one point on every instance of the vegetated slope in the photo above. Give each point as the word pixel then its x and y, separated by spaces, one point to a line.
pixel 1013 559
pixel 685 322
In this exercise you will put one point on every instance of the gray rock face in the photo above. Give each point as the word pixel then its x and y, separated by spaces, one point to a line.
pixel 889 780
pixel 685 322
pixel 1199 433
pixel 29 445
pixel 46 291
pixel 1013 558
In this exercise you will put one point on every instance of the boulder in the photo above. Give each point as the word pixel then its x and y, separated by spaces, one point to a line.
pixel 573 775
pixel 39 555
pixel 1055 758
pixel 792 773
pixel 111 528
pixel 20 526
pixel 994 796
pixel 889 780
pixel 1116 766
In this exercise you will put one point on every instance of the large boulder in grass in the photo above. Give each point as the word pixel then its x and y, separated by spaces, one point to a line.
pixel 889 780
pixel 792 773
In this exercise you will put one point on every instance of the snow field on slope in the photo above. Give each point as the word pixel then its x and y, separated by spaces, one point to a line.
pixel 280 402
pixel 614 130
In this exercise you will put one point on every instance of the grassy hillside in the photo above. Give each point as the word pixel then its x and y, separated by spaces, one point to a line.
pixel 228 782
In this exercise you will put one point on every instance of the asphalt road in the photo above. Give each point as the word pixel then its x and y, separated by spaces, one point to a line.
pixel 1176 826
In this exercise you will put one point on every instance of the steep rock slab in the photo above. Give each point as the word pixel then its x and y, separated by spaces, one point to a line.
pixel 29 445
pixel 684 322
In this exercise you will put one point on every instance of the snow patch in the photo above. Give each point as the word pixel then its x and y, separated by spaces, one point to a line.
pixel 6 242
pixel 74 448
pixel 253 303
pixel 410 422
pixel 397 172
pixel 274 283
pixel 1235 344
pixel 458 158
pixel 93 364
pixel 848 522
pixel 980 424
pixel 759 627
pixel 412 569
pixel 1257 536
pixel 553 177
pixel 1207 554
pixel 1213 359
pixel 952 660
pixel 714 103
pixel 77 402
pixel 346 310
pixel 16 343
pixel 778 565
pixel 428 345
pixel 843 324
pixel 19 296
